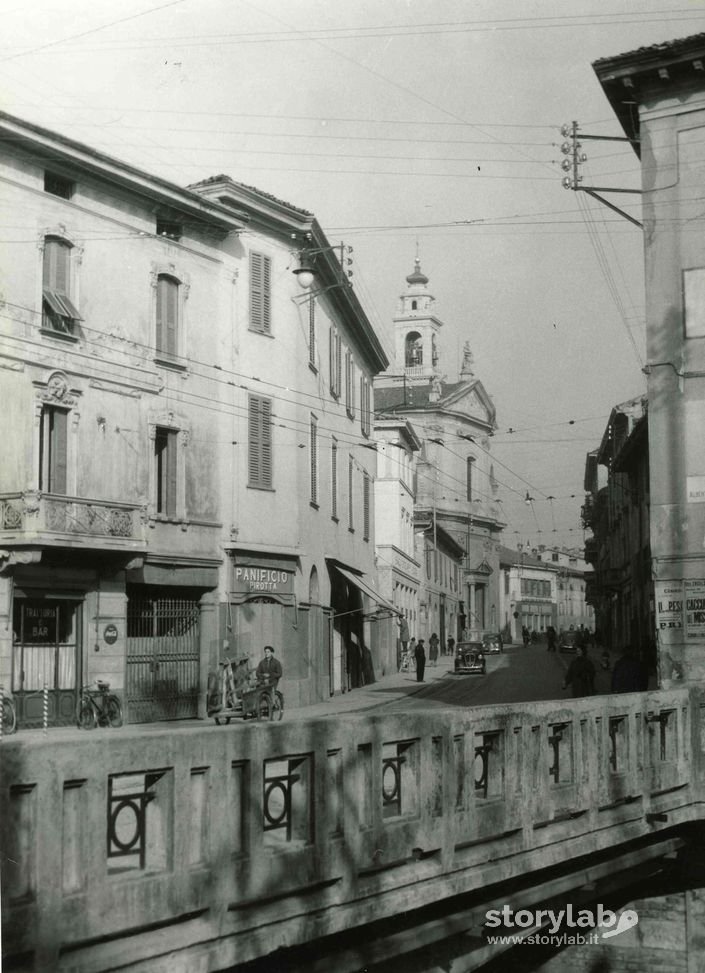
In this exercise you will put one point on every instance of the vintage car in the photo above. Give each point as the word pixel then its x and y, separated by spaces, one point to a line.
pixel 568 641
pixel 469 657
pixel 492 642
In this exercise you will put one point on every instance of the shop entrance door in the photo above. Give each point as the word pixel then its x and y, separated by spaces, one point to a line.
pixel 46 653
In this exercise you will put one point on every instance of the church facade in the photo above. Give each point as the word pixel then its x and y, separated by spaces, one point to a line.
pixel 457 514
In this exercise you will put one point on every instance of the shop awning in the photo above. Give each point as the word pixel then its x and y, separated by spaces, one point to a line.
pixel 366 589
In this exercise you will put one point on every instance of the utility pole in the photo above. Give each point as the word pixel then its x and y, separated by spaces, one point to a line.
pixel 575 157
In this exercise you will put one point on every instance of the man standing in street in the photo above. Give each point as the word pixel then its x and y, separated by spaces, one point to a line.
pixel 420 654
pixel 269 670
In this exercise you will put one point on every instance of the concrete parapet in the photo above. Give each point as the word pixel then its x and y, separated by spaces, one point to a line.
pixel 214 846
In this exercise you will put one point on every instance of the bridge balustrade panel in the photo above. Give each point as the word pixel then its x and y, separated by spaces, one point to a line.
pixel 241 839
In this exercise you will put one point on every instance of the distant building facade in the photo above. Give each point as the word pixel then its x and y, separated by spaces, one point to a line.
pixel 456 491
pixel 616 511
pixel 398 565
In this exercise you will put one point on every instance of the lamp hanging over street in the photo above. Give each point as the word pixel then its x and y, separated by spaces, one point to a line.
pixel 304 273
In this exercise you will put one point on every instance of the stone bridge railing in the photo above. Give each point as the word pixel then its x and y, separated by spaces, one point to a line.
pixel 199 848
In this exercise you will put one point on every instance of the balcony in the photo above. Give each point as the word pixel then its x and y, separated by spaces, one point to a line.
pixel 50 520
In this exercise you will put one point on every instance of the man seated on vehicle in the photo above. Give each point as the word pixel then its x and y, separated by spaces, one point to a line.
pixel 269 670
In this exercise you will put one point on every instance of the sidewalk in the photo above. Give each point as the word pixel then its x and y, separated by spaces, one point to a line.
pixel 387 689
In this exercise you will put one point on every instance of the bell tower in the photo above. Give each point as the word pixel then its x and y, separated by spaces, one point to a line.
pixel 416 330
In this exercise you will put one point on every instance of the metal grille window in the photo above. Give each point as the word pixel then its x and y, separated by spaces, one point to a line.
pixel 334 478
pixel 259 450
pixel 365 506
pixel 53 450
pixel 165 457
pixel 59 314
pixel 260 293
pixel 313 447
pixel 168 298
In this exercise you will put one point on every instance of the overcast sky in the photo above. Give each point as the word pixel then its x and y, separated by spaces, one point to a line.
pixel 400 122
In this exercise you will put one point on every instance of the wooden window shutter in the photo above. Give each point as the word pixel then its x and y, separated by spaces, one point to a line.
pixel 312 330
pixel 167 315
pixel 338 364
pixel 58 450
pixel 334 478
pixel 351 499
pixel 259 448
pixel 260 292
pixel 348 379
pixel 314 460
pixel 365 506
pixel 171 468
pixel 56 266
pixel 331 360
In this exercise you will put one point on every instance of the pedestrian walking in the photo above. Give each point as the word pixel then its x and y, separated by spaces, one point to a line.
pixel 551 638
pixel 451 647
pixel 433 644
pixel 580 675
pixel 420 654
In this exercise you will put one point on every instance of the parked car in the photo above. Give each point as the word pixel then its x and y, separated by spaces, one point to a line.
pixel 492 642
pixel 568 642
pixel 469 657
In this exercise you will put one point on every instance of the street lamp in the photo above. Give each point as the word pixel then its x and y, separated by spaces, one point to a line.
pixel 306 271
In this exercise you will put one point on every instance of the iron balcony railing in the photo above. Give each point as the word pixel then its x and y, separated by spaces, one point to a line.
pixel 33 516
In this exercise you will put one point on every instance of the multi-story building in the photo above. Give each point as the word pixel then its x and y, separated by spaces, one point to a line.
pixel 573 609
pixel 658 95
pixel 528 593
pixel 543 586
pixel 398 569
pixel 616 511
pixel 456 490
pixel 187 466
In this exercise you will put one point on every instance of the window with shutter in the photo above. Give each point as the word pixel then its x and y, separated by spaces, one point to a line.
pixel 365 506
pixel 59 314
pixel 165 457
pixel 313 447
pixel 365 406
pixel 260 293
pixel 351 498
pixel 259 447
pixel 348 380
pixel 312 332
pixel 168 301
pixel 53 447
pixel 334 479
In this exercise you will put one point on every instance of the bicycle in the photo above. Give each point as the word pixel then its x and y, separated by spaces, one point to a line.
pixel 9 713
pixel 98 707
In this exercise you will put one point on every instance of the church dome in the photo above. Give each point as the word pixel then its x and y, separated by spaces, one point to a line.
pixel 417 276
